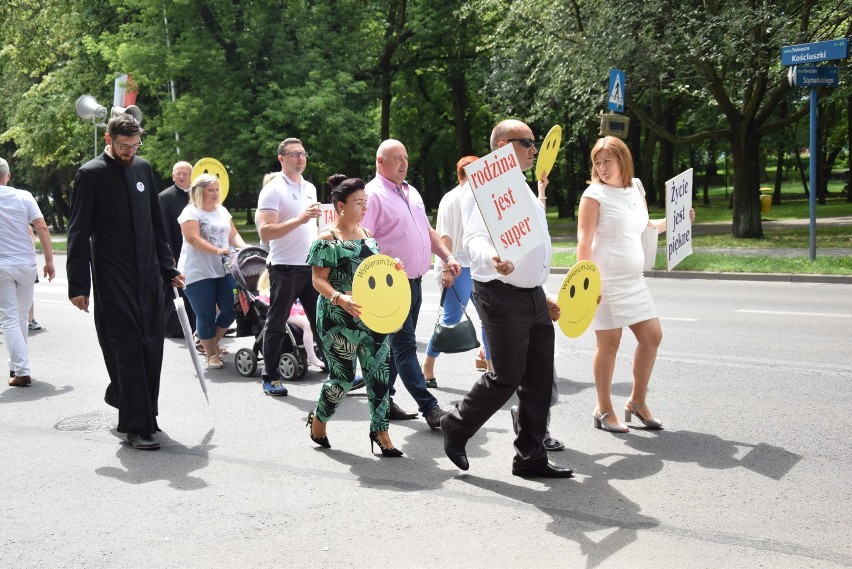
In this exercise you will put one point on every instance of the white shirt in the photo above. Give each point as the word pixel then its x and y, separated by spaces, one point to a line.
pixel 531 270
pixel 214 227
pixel 450 223
pixel 18 209
pixel 289 199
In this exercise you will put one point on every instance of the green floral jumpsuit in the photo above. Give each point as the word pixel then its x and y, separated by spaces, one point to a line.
pixel 345 338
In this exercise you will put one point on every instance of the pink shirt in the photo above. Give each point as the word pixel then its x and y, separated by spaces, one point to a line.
pixel 397 219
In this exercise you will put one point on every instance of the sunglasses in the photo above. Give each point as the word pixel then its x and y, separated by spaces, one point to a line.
pixel 525 142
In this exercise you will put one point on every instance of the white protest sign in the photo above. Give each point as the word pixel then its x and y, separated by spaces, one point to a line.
pixel 506 203
pixel 678 224
pixel 327 216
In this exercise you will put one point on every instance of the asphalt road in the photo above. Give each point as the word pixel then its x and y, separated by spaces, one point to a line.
pixel 753 382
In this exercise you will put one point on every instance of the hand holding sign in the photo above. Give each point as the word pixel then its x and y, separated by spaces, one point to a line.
pixel 578 298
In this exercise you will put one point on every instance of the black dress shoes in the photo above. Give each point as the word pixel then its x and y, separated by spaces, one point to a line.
pixel 395 413
pixel 454 449
pixel 433 417
pixel 143 442
pixel 540 470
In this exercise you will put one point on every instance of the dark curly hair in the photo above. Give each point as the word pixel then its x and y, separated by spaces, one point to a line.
pixel 342 187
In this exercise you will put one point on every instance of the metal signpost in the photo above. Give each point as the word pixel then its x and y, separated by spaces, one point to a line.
pixel 801 75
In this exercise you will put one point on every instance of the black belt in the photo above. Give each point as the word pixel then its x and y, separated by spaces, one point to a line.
pixel 500 284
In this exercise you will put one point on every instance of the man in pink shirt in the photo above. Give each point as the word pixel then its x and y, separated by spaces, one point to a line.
pixel 396 216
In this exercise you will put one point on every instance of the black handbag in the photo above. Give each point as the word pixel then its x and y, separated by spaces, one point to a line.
pixel 454 338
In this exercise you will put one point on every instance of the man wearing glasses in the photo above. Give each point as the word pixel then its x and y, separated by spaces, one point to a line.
pixel 397 218
pixel 118 246
pixel 287 210
pixel 517 316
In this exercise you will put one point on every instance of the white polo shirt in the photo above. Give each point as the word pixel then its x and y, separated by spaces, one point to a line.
pixel 289 199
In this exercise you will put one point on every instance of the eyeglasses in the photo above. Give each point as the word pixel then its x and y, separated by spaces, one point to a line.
pixel 525 142
pixel 296 155
pixel 125 147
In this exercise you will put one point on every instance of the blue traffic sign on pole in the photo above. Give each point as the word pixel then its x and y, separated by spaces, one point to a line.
pixel 815 52
pixel 615 101
pixel 812 76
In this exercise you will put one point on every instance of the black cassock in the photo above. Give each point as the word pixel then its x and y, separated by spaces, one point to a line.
pixel 173 200
pixel 116 231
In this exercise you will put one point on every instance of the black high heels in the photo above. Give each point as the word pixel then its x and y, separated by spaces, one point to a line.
pixel 321 441
pixel 386 451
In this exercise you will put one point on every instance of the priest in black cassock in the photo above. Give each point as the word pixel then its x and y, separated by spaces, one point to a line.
pixel 116 232
pixel 173 200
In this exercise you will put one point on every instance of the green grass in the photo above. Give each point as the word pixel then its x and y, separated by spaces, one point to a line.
pixel 729 263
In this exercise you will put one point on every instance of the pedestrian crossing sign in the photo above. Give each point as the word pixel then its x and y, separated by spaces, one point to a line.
pixel 616 91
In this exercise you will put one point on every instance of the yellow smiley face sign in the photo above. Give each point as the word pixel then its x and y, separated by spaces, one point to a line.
pixel 214 167
pixel 383 292
pixel 578 298
pixel 548 151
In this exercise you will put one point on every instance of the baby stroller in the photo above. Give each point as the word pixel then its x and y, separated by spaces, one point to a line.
pixel 251 311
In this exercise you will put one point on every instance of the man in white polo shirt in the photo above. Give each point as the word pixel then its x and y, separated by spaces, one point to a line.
pixel 287 210
pixel 18 271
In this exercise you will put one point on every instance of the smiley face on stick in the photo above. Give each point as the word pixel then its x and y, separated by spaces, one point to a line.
pixel 578 298
pixel 383 292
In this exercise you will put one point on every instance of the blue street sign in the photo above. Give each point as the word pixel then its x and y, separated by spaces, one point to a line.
pixel 814 52
pixel 812 76
pixel 616 91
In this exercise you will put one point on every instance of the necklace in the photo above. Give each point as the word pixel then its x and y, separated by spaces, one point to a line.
pixel 349 234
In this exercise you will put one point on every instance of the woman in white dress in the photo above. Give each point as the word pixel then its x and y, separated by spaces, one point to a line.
pixel 612 217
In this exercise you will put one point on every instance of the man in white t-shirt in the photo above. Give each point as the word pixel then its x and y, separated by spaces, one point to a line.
pixel 18 270
pixel 287 212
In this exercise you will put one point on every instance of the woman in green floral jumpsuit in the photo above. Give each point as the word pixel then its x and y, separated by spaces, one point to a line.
pixel 335 256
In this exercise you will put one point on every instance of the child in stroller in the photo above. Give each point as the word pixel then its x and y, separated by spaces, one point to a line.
pixel 251 309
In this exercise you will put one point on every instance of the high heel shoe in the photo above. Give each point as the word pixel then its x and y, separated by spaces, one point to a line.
pixel 600 423
pixel 386 451
pixel 321 441
pixel 630 409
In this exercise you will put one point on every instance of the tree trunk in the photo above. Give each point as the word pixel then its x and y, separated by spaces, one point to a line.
pixel 458 92
pixel 779 174
pixel 745 150
pixel 647 166
pixel 801 168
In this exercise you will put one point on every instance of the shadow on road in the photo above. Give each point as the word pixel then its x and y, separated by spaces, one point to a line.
pixel 172 463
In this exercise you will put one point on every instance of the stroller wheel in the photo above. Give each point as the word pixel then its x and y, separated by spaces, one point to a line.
pixel 245 361
pixel 303 363
pixel 288 367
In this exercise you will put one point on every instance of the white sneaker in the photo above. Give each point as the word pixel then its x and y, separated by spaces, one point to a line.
pixel 33 325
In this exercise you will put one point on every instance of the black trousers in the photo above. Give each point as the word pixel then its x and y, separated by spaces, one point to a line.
pixel 288 282
pixel 520 334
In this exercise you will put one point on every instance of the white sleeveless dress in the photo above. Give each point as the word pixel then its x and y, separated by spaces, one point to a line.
pixel 617 251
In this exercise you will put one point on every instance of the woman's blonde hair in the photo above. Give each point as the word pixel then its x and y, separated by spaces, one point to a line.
pixel 618 149
pixel 196 191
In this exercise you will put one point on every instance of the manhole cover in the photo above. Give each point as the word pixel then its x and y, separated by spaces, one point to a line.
pixel 87 422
